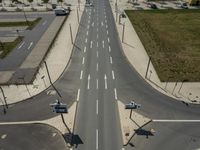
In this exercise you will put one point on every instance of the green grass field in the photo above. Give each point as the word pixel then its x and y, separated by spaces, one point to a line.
pixel 172 39
pixel 7 47
pixel 30 24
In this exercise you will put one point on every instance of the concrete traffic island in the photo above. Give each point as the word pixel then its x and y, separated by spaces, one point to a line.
pixel 130 125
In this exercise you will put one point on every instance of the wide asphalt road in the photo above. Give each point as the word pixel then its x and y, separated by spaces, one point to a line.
pixel 98 75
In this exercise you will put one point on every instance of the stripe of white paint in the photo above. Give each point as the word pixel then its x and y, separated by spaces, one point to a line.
pixel 103 43
pixel 30 45
pixel 86 40
pixel 110 59
pixel 97 54
pixel 165 120
pixel 84 49
pixel 81 76
pixel 97 67
pixel 78 95
pixel 97 86
pixel 97 44
pixel 97 146
pixel 115 91
pixel 91 44
pixel 109 49
pixel 113 75
pixel 107 31
pixel 108 40
pixel 21 45
pixel 87 33
pixel 83 60
pixel 97 109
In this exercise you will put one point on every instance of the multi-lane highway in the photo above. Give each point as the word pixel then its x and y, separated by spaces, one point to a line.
pixel 97 77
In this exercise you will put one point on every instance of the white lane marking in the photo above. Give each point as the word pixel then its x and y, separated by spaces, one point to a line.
pixel 102 23
pixel 91 44
pixel 81 76
pixel 110 59
pixel 105 78
pixel 3 136
pixel 94 10
pixel 88 26
pixel 88 21
pixel 30 45
pixel 88 87
pixel 103 43
pixel 123 148
pixel 108 40
pixel 107 31
pixel 97 67
pixel 105 21
pixel 21 45
pixel 78 95
pixel 115 91
pixel 105 16
pixel 93 24
pixel 97 109
pixel 90 14
pixel 86 40
pixel 97 35
pixel 44 22
pixel 163 120
pixel 97 146
pixel 83 60
pixel 109 49
pixel 97 29
pixel 97 86
pixel 87 33
pixel 97 44
pixel 84 49
pixel 97 54
pixel 106 26
pixel 113 75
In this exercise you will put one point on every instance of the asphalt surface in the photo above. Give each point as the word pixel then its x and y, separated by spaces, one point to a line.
pixel 100 73
pixel 31 137
pixel 31 37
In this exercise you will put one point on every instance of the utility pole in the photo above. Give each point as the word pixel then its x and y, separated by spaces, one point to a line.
pixel 71 33
pixel 4 97
pixel 45 63
pixel 148 67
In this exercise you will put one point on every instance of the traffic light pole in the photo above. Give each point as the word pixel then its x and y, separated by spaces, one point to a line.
pixel 131 113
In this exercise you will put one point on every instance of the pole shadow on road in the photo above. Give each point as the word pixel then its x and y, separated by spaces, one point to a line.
pixel 72 139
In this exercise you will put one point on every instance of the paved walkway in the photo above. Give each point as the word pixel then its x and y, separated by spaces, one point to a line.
pixel 57 60
pixel 138 58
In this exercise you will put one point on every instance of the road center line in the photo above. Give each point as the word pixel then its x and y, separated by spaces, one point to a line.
pixel 97 67
pixel 97 86
pixel 30 45
pixel 81 76
pixel 113 75
pixel 103 43
pixel 84 49
pixel 97 109
pixel 110 59
pixel 83 60
pixel 97 29
pixel 88 87
pixel 78 95
pixel 97 44
pixel 109 49
pixel 106 85
pixel 21 45
pixel 115 91
pixel 97 54
pixel 108 40
pixel 97 146
pixel 107 31
pixel 91 44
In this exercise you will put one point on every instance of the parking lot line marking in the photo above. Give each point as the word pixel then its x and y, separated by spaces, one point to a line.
pixel 30 45
pixel 21 45
pixel 115 91
pixel 78 95
pixel 91 42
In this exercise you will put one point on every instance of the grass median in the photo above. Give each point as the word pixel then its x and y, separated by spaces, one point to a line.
pixel 172 39
pixel 30 24
pixel 7 47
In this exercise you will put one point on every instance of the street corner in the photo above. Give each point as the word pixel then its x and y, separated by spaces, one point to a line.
pixel 130 121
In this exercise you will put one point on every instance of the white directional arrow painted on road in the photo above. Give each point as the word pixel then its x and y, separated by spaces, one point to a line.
pixel 105 78
pixel 88 87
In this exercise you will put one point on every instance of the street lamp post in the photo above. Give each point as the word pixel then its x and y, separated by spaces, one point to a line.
pixel 4 97
pixel 148 67
pixel 22 78
pixel 44 80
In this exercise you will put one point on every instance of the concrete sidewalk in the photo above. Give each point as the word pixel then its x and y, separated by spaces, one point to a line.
pixel 138 58
pixel 57 60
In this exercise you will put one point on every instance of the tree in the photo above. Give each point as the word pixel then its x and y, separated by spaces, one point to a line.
pixel 46 2
pixel 60 1
pixel 31 1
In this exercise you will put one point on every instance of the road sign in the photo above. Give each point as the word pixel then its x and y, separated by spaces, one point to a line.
pixel 132 105
pixel 59 107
